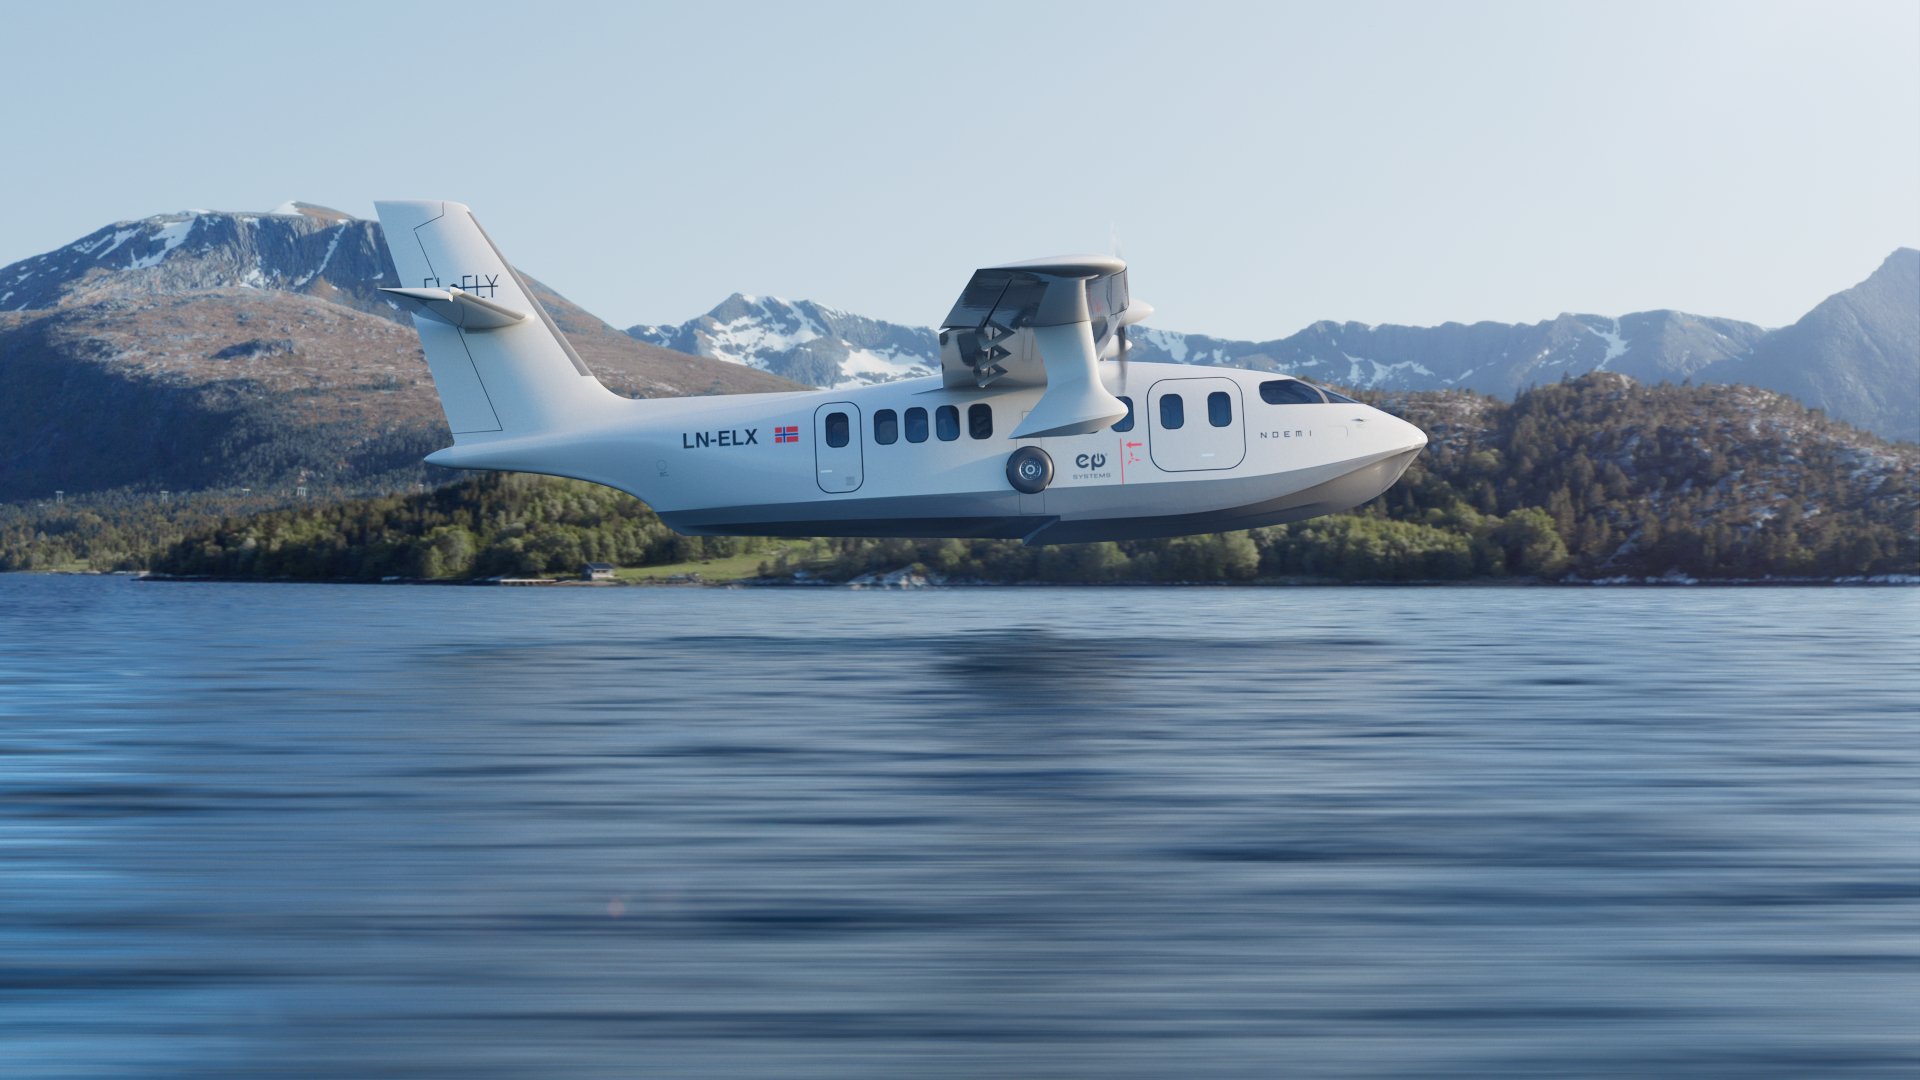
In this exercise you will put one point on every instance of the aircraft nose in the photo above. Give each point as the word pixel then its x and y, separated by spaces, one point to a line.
pixel 1415 439
pixel 1401 435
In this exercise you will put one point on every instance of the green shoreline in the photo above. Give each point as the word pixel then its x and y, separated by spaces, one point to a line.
pixel 1881 581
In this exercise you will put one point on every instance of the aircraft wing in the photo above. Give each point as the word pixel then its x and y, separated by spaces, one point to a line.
pixel 1048 323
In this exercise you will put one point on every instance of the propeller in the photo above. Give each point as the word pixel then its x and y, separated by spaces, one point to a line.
pixel 1113 240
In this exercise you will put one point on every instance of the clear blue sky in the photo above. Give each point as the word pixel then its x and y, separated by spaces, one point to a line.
pixel 1263 165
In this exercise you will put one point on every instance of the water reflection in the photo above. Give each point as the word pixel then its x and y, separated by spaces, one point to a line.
pixel 1023 832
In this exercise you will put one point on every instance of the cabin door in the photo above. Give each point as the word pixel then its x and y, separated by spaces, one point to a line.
pixel 1196 425
pixel 837 457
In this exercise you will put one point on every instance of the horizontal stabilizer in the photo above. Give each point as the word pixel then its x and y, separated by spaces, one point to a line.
pixel 457 308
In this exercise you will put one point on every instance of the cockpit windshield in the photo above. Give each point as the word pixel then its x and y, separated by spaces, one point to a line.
pixel 1296 392
pixel 1289 392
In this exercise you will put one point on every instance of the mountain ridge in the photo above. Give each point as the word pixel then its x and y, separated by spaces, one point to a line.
pixel 202 349
pixel 1870 349
pixel 1853 345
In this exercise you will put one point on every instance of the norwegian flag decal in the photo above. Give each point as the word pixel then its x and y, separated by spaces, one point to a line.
pixel 789 433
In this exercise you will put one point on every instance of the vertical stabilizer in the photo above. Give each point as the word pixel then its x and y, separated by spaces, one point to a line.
pixel 500 364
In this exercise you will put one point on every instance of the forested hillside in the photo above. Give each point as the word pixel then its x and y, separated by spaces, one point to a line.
pixel 1597 477
pixel 1712 481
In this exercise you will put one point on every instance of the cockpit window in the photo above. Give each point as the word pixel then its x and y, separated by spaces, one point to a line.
pixel 1334 396
pixel 1289 392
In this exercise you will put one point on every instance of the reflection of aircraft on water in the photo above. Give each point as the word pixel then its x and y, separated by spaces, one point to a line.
pixel 1028 431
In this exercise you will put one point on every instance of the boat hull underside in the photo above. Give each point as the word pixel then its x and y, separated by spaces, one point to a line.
pixel 1070 515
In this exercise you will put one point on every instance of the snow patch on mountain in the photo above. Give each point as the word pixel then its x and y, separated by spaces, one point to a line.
pixel 168 236
pixel 1616 345
pixel 863 366
pixel 333 245
pixel 1377 375
pixel 1174 345
pixel 120 236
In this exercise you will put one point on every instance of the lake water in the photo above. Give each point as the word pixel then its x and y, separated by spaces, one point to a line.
pixel 463 832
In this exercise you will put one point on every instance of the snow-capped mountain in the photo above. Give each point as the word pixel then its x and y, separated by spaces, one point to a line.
pixel 1855 355
pixel 1493 358
pixel 802 341
pixel 207 349
pixel 307 250
pixel 824 346
pixel 297 247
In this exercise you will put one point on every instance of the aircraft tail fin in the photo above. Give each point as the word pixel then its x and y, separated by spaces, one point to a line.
pixel 501 366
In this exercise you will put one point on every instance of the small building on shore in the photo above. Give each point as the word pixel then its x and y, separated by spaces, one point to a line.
pixel 597 571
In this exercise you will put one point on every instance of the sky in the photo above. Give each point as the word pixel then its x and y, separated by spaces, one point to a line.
pixel 1261 166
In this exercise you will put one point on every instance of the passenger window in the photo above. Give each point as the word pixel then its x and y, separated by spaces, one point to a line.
pixel 946 419
pixel 1288 392
pixel 916 425
pixel 980 420
pixel 1219 408
pixel 886 427
pixel 1125 423
pixel 837 429
pixel 1173 412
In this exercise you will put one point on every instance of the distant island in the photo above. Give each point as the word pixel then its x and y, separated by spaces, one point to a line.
pixel 1594 478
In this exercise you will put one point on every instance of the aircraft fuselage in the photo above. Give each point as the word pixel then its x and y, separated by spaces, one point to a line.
pixel 916 458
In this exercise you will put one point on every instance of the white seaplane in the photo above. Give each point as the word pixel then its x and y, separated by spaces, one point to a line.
pixel 1035 428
